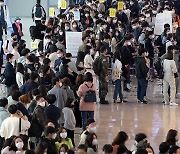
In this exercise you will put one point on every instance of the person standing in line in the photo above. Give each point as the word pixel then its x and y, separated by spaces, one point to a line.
pixel 116 75
pixel 17 27
pixel 3 15
pixel 141 74
pixel 169 69
pixel 38 12
pixel 103 77
pixel 9 72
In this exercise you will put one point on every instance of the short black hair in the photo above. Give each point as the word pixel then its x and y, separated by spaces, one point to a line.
pixel 25 51
pixel 60 38
pixel 35 92
pixel 34 76
pixel 9 56
pixel 166 26
pixel 3 102
pixel 121 149
pixel 68 102
pixel 54 80
pixel 141 151
pixel 15 95
pixel 38 97
pixel 26 76
pixel 141 51
pixel 12 109
pixel 46 61
pixel 53 48
pixel 102 49
pixel 68 55
pixel 106 36
pixel 107 148
pixel 163 147
pixel 88 77
pixel 89 121
pixel 140 136
pixel 83 147
pixel 51 98
pixel 14 44
pixel 31 58
pixel 49 130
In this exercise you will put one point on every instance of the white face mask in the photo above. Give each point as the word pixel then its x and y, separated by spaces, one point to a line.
pixel 129 43
pixel 43 104
pixel 19 145
pixel 66 27
pixel 133 27
pixel 63 135
pixel 54 136
pixel 147 15
pixel 91 51
pixel 104 26
pixel 117 34
pixel 94 142
pixel 59 55
pixel 146 54
pixel 1 3
pixel 93 129
pixel 74 26
pixel 87 15
pixel 114 21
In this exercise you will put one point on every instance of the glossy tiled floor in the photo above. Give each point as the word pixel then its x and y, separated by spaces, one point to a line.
pixel 153 119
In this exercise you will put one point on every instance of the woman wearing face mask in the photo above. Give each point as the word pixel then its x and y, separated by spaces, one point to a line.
pixel 75 27
pixel 92 143
pixel 69 118
pixel 63 139
pixel 88 60
pixel 115 38
pixel 17 27
pixel 17 147
pixel 87 20
pixel 63 149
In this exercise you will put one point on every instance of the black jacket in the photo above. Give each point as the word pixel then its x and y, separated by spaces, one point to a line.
pixel 53 117
pixel 28 86
pixel 9 74
pixel 149 47
pixel 37 31
pixel 141 68
pixel 125 55
pixel 15 28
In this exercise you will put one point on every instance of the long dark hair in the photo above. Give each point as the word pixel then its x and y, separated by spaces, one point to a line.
pixel 117 56
pixel 13 145
pixel 89 140
pixel 20 68
pixel 68 102
pixel 120 138
pixel 171 137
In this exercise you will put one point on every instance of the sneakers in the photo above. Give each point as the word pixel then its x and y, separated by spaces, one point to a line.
pixel 146 98
pixel 103 101
pixel 141 102
pixel 173 104
pixel 128 86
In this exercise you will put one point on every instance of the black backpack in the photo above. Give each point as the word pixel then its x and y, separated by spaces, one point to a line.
pixel 38 12
pixel 90 95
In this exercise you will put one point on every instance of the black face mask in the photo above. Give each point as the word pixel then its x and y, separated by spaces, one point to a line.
pixel 14 39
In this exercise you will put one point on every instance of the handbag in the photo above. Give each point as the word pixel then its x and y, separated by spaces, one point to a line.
pixel 161 72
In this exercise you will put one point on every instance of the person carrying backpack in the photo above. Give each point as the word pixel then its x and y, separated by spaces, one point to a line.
pixel 38 12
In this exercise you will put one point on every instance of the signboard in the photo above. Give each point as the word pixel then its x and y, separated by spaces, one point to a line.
pixel 120 5
pixel 63 4
pixel 112 12
pixel 76 15
pixel 51 12
pixel 73 42
pixel 161 19
pixel 101 1
pixel 34 45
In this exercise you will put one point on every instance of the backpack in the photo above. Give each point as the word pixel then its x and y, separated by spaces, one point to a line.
pixel 90 95
pixel 97 66
pixel 38 12
pixel 31 31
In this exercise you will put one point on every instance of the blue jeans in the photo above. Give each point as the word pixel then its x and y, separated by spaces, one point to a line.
pixel 86 115
pixel 141 89
pixel 118 90
pixel 80 1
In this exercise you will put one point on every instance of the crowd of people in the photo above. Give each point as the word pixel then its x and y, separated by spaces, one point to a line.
pixel 49 93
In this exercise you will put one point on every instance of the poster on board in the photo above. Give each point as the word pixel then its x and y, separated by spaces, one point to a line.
pixel 73 42
pixel 161 19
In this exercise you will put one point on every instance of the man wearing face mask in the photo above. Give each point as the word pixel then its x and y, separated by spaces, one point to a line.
pixel 17 27
pixel 50 136
pixel 90 128
pixel 67 27
pixel 39 120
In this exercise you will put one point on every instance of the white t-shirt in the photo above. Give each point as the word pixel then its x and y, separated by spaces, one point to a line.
pixel 53 57
pixel 88 61
pixel 10 127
